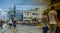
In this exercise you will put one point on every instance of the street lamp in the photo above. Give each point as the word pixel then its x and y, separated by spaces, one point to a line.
pixel 14 11
pixel 12 3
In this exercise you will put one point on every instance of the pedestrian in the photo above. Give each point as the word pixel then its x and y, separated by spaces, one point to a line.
pixel 52 15
pixel 5 25
pixel 10 23
pixel 45 23
pixel 1 24
pixel 14 22
pixel 58 29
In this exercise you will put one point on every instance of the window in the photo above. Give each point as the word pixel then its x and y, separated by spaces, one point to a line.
pixel 27 17
pixel 35 13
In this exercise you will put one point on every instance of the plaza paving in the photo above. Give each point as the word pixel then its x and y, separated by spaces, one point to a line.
pixel 23 29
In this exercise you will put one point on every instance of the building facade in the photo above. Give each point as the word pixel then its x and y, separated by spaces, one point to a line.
pixel 18 15
pixel 27 15
pixel 35 13
pixel 30 14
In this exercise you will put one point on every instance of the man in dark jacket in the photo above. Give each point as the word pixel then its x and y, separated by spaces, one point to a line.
pixel 1 24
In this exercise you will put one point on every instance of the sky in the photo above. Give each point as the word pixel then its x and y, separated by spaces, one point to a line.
pixel 6 4
pixel 21 4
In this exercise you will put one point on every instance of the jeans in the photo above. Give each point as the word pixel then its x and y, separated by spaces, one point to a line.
pixel 52 28
pixel 10 25
pixel 45 29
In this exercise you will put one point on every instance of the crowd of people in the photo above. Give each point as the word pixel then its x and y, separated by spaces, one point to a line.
pixel 10 23
pixel 49 21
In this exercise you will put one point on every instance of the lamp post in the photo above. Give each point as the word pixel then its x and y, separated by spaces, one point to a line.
pixel 12 3
pixel 14 11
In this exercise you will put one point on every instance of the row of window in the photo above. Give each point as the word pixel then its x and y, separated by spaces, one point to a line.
pixel 27 17
pixel 35 13
pixel 27 14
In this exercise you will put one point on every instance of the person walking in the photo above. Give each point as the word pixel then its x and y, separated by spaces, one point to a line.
pixel 1 24
pixel 10 23
pixel 14 22
pixel 52 15
pixel 45 23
